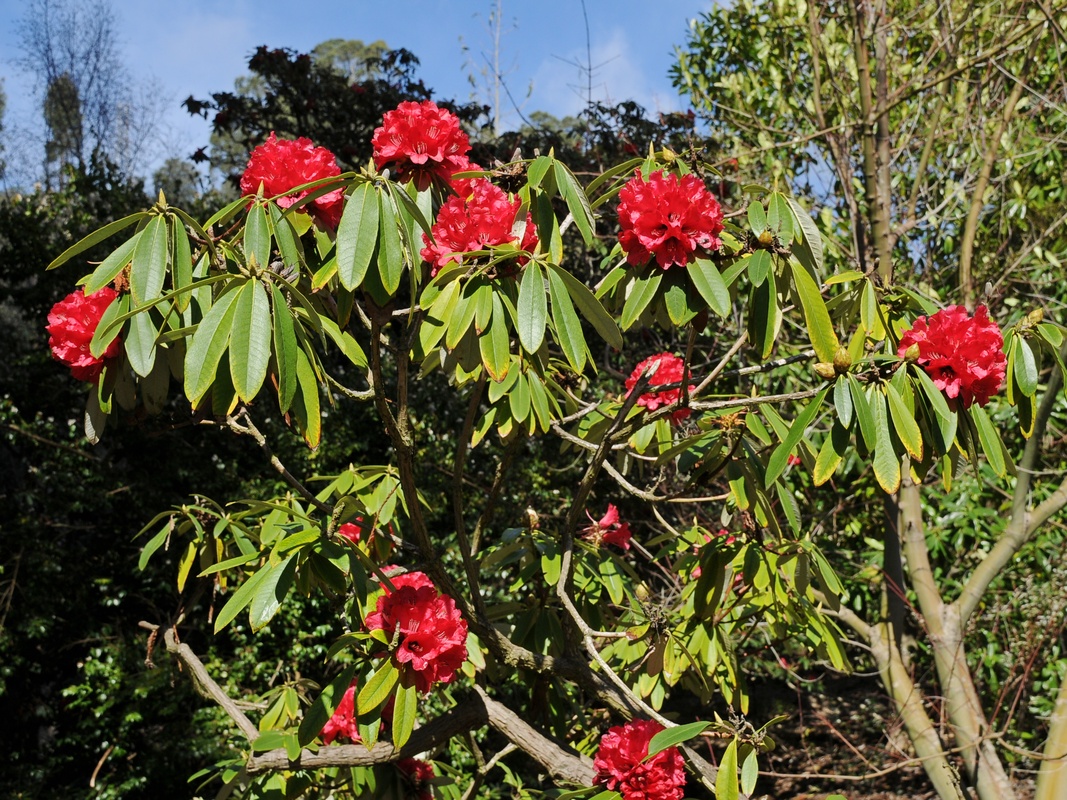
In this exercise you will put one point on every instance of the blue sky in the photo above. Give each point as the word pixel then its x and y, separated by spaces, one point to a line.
pixel 194 47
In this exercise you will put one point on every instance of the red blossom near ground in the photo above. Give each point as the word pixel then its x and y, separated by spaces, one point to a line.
pixel 620 764
pixel 670 371
pixel 343 722
pixel 608 529
pixel 420 141
pixel 963 355
pixel 419 774
pixel 281 165
pixel 467 225
pixel 71 325
pixel 673 219
pixel 432 632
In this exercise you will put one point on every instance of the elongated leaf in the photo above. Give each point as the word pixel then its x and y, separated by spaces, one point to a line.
pixel 669 737
pixel 816 317
pixel 590 308
pixel 776 463
pixel 357 235
pixel 675 299
pixel 306 401
pixel 537 170
pixel 532 308
pixel 95 238
pixel 207 346
pixel 181 262
pixel 111 266
pixel 707 280
pixel 270 593
pixel 808 249
pixel 779 218
pixel 250 340
pixel 320 711
pixel 568 326
pixel 548 233
pixel 390 251
pixel 106 332
pixel 990 440
pixel 240 599
pixel 407 700
pixel 141 343
pixel 947 420
pixel 765 317
pixel 493 343
pixel 577 202
pixel 224 214
pixel 759 267
pixel 830 454
pixel 374 692
pixel 863 412
pixel 757 217
pixel 435 322
pixel 461 319
pixel 284 349
pixel 749 769
pixel 257 237
pixel 285 235
pixel 1025 367
pixel 642 293
pixel 843 402
pixel 149 266
pixel 726 787
pixel 904 423
pixel 345 342
pixel 886 462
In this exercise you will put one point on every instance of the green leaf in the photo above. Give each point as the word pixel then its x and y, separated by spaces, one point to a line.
pixel 532 308
pixel 153 545
pixel 357 235
pixel 149 266
pixel 670 737
pixel 257 237
pixel 568 326
pixel 270 593
pixel 816 317
pixel 306 401
pixel 904 423
pixel 322 708
pixel 95 238
pixel 105 332
pixel 808 251
pixel 548 233
pixel 765 317
pixel 250 340
pixel 493 343
pixel 208 344
pixel 779 218
pixel 390 251
pixel 863 412
pixel 677 303
pixel 707 280
pixel 990 440
pixel 641 294
pixel 830 454
pixel 759 267
pixel 1025 367
pixel 460 321
pixel 284 349
pixel 287 238
pixel 886 462
pixel 435 321
pixel 590 308
pixel 111 266
pixel 776 463
pixel 181 263
pixel 749 770
pixel 141 343
pixel 757 217
pixel 375 691
pixel 537 170
pixel 726 787
pixel 241 598
pixel 223 214
pixel 407 701
pixel 843 402
pixel 345 342
pixel 577 202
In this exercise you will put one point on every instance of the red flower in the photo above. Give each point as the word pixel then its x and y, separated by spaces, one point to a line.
pixel 620 764
pixel 793 460
pixel 668 218
pixel 964 355
pixel 420 775
pixel 670 371
pixel 608 529
pixel 283 164
pixel 432 633
pixel 463 186
pixel 71 325
pixel 343 722
pixel 353 531
pixel 420 141
pixel 466 225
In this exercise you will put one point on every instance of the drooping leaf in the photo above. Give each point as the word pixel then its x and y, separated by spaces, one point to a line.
pixel 776 463
pixel 590 308
pixel 250 340
pixel 357 235
pixel 816 317
pixel 1025 367
pixel 759 267
pixel 207 345
pixel 240 599
pixel 111 266
pixel 726 787
pixel 284 339
pixel 377 688
pixel 532 308
pixel 904 423
pixel 406 705
pixel 886 462
pixel 493 343
pixel 641 294
pixel 708 282
pixel 989 438
pixel 271 592
pixel 808 249
pixel 306 400
pixel 577 202
pixel 863 412
pixel 140 343
pixel 565 320
pixel 149 266
pixel 390 251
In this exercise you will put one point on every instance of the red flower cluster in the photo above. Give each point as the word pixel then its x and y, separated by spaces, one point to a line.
pixel 608 529
pixel 669 218
pixel 343 722
pixel 670 371
pixel 487 218
pixel 283 164
pixel 421 141
pixel 433 634
pixel 964 355
pixel 353 532
pixel 71 325
pixel 620 764
pixel 420 775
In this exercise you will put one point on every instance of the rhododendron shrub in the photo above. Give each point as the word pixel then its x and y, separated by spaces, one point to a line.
pixel 964 355
pixel 517 599
pixel 71 325
pixel 621 763
pixel 280 165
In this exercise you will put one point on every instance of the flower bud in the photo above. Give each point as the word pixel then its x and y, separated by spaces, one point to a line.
pixel 766 237
pixel 1035 316
pixel 912 353
pixel 842 360
pixel 825 370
